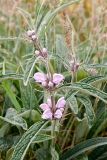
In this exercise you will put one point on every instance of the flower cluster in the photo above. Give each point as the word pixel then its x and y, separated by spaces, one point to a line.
pixel 74 65
pixel 48 82
pixel 32 35
pixel 42 54
pixel 50 113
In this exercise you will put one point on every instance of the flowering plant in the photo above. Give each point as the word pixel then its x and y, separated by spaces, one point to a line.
pixel 53 112
pixel 53 80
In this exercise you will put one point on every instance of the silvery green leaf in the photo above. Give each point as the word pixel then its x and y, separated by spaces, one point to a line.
pixel 27 138
pixel 14 118
pixel 73 104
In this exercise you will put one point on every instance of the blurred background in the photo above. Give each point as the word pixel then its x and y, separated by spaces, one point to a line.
pixel 89 18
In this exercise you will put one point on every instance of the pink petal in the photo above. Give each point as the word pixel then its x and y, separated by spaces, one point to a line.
pixel 40 77
pixel 44 84
pixel 49 102
pixel 30 32
pixel 57 78
pixel 44 106
pixel 58 114
pixel 61 103
pixel 62 109
pixel 47 114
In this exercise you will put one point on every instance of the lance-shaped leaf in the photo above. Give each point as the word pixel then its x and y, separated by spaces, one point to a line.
pixel 93 79
pixel 14 118
pixel 73 104
pixel 26 16
pixel 82 157
pixel 11 76
pixel 29 70
pixel 96 65
pixel 99 125
pixel 41 138
pixel 88 89
pixel 81 130
pixel 88 106
pixel 83 147
pixel 11 95
pixel 5 143
pixel 51 14
pixel 100 153
pixel 27 138
pixel 29 100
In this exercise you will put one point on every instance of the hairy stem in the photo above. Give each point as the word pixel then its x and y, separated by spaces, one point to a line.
pixel 53 140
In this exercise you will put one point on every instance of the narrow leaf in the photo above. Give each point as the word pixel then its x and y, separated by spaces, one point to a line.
pixel 41 138
pixel 14 118
pixel 29 69
pixel 89 109
pixel 83 147
pixel 88 89
pixel 73 104
pixel 24 143
pixel 80 134
pixel 11 76
pixel 11 95
pixel 99 125
pixel 93 79
pixel 50 15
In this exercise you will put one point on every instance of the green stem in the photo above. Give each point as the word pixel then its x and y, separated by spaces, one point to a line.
pixel 53 140
pixel 73 77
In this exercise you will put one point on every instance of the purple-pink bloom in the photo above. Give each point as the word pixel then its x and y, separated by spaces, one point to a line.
pixel 40 77
pixel 47 114
pixel 58 114
pixel 57 78
pixel 61 103
pixel 48 110
pixel 46 81
pixel 45 106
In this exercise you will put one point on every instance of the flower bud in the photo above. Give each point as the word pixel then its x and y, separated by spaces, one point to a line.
pixel 30 32
pixel 34 37
pixel 44 52
pixel 44 84
pixel 33 32
pixel 37 53
pixel 74 65
pixel 50 84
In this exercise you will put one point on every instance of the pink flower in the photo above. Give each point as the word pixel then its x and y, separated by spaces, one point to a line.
pixel 46 81
pixel 58 114
pixel 57 78
pixel 40 77
pixel 61 103
pixel 47 114
pixel 47 109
